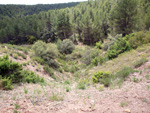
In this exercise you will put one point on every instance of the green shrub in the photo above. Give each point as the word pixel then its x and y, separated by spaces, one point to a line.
pixel 111 41
pixel 62 56
pixel 31 77
pixel 102 77
pixel 98 60
pixel 67 82
pixel 53 63
pixel 38 59
pixel 25 51
pixel 101 60
pixel 139 39
pixel 56 97
pixel 11 54
pixel 39 48
pixel 140 62
pixel 73 68
pixel 124 72
pixel 81 85
pixel 22 55
pixel 101 88
pixel 147 77
pixel 127 37
pixel 98 45
pixel 48 70
pixel 66 46
pixel 123 104
pixel 10 69
pixel 76 55
pixel 25 90
pixel 88 55
pixel 15 56
pixel 12 72
pixel 31 39
pixel 106 46
pixel 47 52
pixel 15 111
pixel 95 61
pixel 66 69
pixel 67 89
pixel 135 79
pixel 53 76
pixel 120 46
pixel 6 84
pixel 60 70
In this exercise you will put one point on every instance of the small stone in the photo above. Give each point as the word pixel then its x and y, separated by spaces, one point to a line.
pixel 127 111
pixel 92 101
pixel 75 108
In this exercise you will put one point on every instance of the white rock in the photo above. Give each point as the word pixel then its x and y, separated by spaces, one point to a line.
pixel 127 111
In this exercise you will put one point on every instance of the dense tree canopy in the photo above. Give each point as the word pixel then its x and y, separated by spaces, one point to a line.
pixel 124 16
pixel 88 22
pixel 17 10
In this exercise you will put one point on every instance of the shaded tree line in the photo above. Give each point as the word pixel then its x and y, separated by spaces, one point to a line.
pixel 19 10
pixel 88 22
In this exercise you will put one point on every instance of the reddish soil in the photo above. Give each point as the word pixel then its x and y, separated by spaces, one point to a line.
pixel 133 96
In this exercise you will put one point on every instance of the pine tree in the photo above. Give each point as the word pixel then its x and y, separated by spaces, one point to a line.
pixel 146 10
pixel 63 25
pixel 124 16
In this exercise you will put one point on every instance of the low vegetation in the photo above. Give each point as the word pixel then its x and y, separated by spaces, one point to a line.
pixel 72 60
pixel 56 97
pixel 89 54
pixel 113 79
pixel 102 77
pixel 45 54
pixel 81 51
pixel 81 85
pixel 120 46
pixel 140 62
pixel 139 38
pixel 12 72
pixel 66 46
pixel 123 104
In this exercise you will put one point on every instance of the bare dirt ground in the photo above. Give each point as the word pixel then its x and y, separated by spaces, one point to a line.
pixel 133 96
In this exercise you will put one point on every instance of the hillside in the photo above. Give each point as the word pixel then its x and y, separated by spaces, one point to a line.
pixel 93 57
pixel 20 10
pixel 65 94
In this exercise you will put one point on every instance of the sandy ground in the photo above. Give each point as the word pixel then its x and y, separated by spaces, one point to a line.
pixel 132 97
